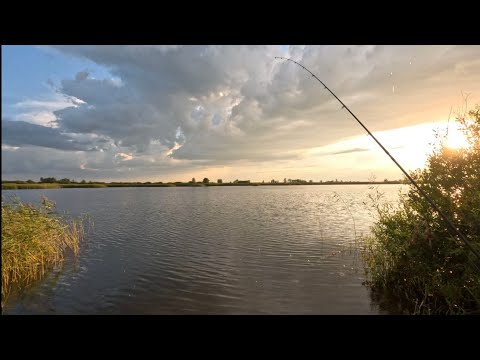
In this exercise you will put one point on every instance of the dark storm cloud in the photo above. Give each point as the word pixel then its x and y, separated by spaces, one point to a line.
pixel 20 133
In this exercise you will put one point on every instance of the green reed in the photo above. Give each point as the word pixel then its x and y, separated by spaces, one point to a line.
pixel 34 239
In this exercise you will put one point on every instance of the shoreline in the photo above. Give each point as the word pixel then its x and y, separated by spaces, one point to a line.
pixel 16 186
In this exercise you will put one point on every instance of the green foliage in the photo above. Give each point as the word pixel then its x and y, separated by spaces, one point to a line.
pixel 48 180
pixel 411 255
pixel 33 240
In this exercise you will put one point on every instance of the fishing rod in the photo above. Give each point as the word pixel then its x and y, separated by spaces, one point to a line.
pixel 451 228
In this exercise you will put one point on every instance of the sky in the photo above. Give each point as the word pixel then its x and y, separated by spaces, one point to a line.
pixel 172 113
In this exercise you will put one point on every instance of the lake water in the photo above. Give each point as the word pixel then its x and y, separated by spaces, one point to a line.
pixel 210 250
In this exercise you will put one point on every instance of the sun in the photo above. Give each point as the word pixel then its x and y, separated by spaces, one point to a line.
pixel 455 138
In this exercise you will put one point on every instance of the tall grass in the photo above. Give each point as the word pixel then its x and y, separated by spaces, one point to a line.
pixel 13 186
pixel 34 239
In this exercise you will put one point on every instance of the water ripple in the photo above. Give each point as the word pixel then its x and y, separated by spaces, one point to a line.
pixel 225 250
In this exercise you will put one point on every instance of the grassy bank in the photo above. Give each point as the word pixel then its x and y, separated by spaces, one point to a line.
pixel 34 239
pixel 14 186
pixel 20 186
pixel 137 185
pixel 412 259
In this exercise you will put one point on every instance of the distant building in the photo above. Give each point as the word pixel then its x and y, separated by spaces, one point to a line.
pixel 241 181
pixel 193 180
pixel 219 181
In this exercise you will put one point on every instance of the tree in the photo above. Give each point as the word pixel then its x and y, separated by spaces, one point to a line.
pixel 412 254
pixel 48 180
pixel 205 180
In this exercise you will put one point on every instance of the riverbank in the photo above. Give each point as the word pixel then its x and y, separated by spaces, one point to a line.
pixel 20 186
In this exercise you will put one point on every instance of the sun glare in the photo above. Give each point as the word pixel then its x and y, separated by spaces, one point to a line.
pixel 456 139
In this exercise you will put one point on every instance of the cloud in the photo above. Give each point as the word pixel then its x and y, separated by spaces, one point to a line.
pixel 40 111
pixel 224 104
pixel 219 94
pixel 123 156
pixel 34 162
pixel 20 133
pixel 43 118
pixel 349 151
pixel 82 75
pixel 46 105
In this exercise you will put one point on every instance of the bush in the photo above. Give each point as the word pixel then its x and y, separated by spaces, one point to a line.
pixel 411 256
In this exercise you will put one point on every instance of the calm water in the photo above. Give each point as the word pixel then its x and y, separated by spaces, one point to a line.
pixel 212 250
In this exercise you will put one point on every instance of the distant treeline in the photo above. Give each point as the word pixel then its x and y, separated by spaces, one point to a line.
pixel 52 183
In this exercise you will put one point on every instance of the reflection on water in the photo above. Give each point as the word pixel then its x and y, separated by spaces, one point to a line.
pixel 210 250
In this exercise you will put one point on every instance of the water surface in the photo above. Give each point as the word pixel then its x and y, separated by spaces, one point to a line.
pixel 210 250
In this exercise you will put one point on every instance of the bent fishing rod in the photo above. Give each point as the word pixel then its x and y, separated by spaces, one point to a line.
pixel 450 227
